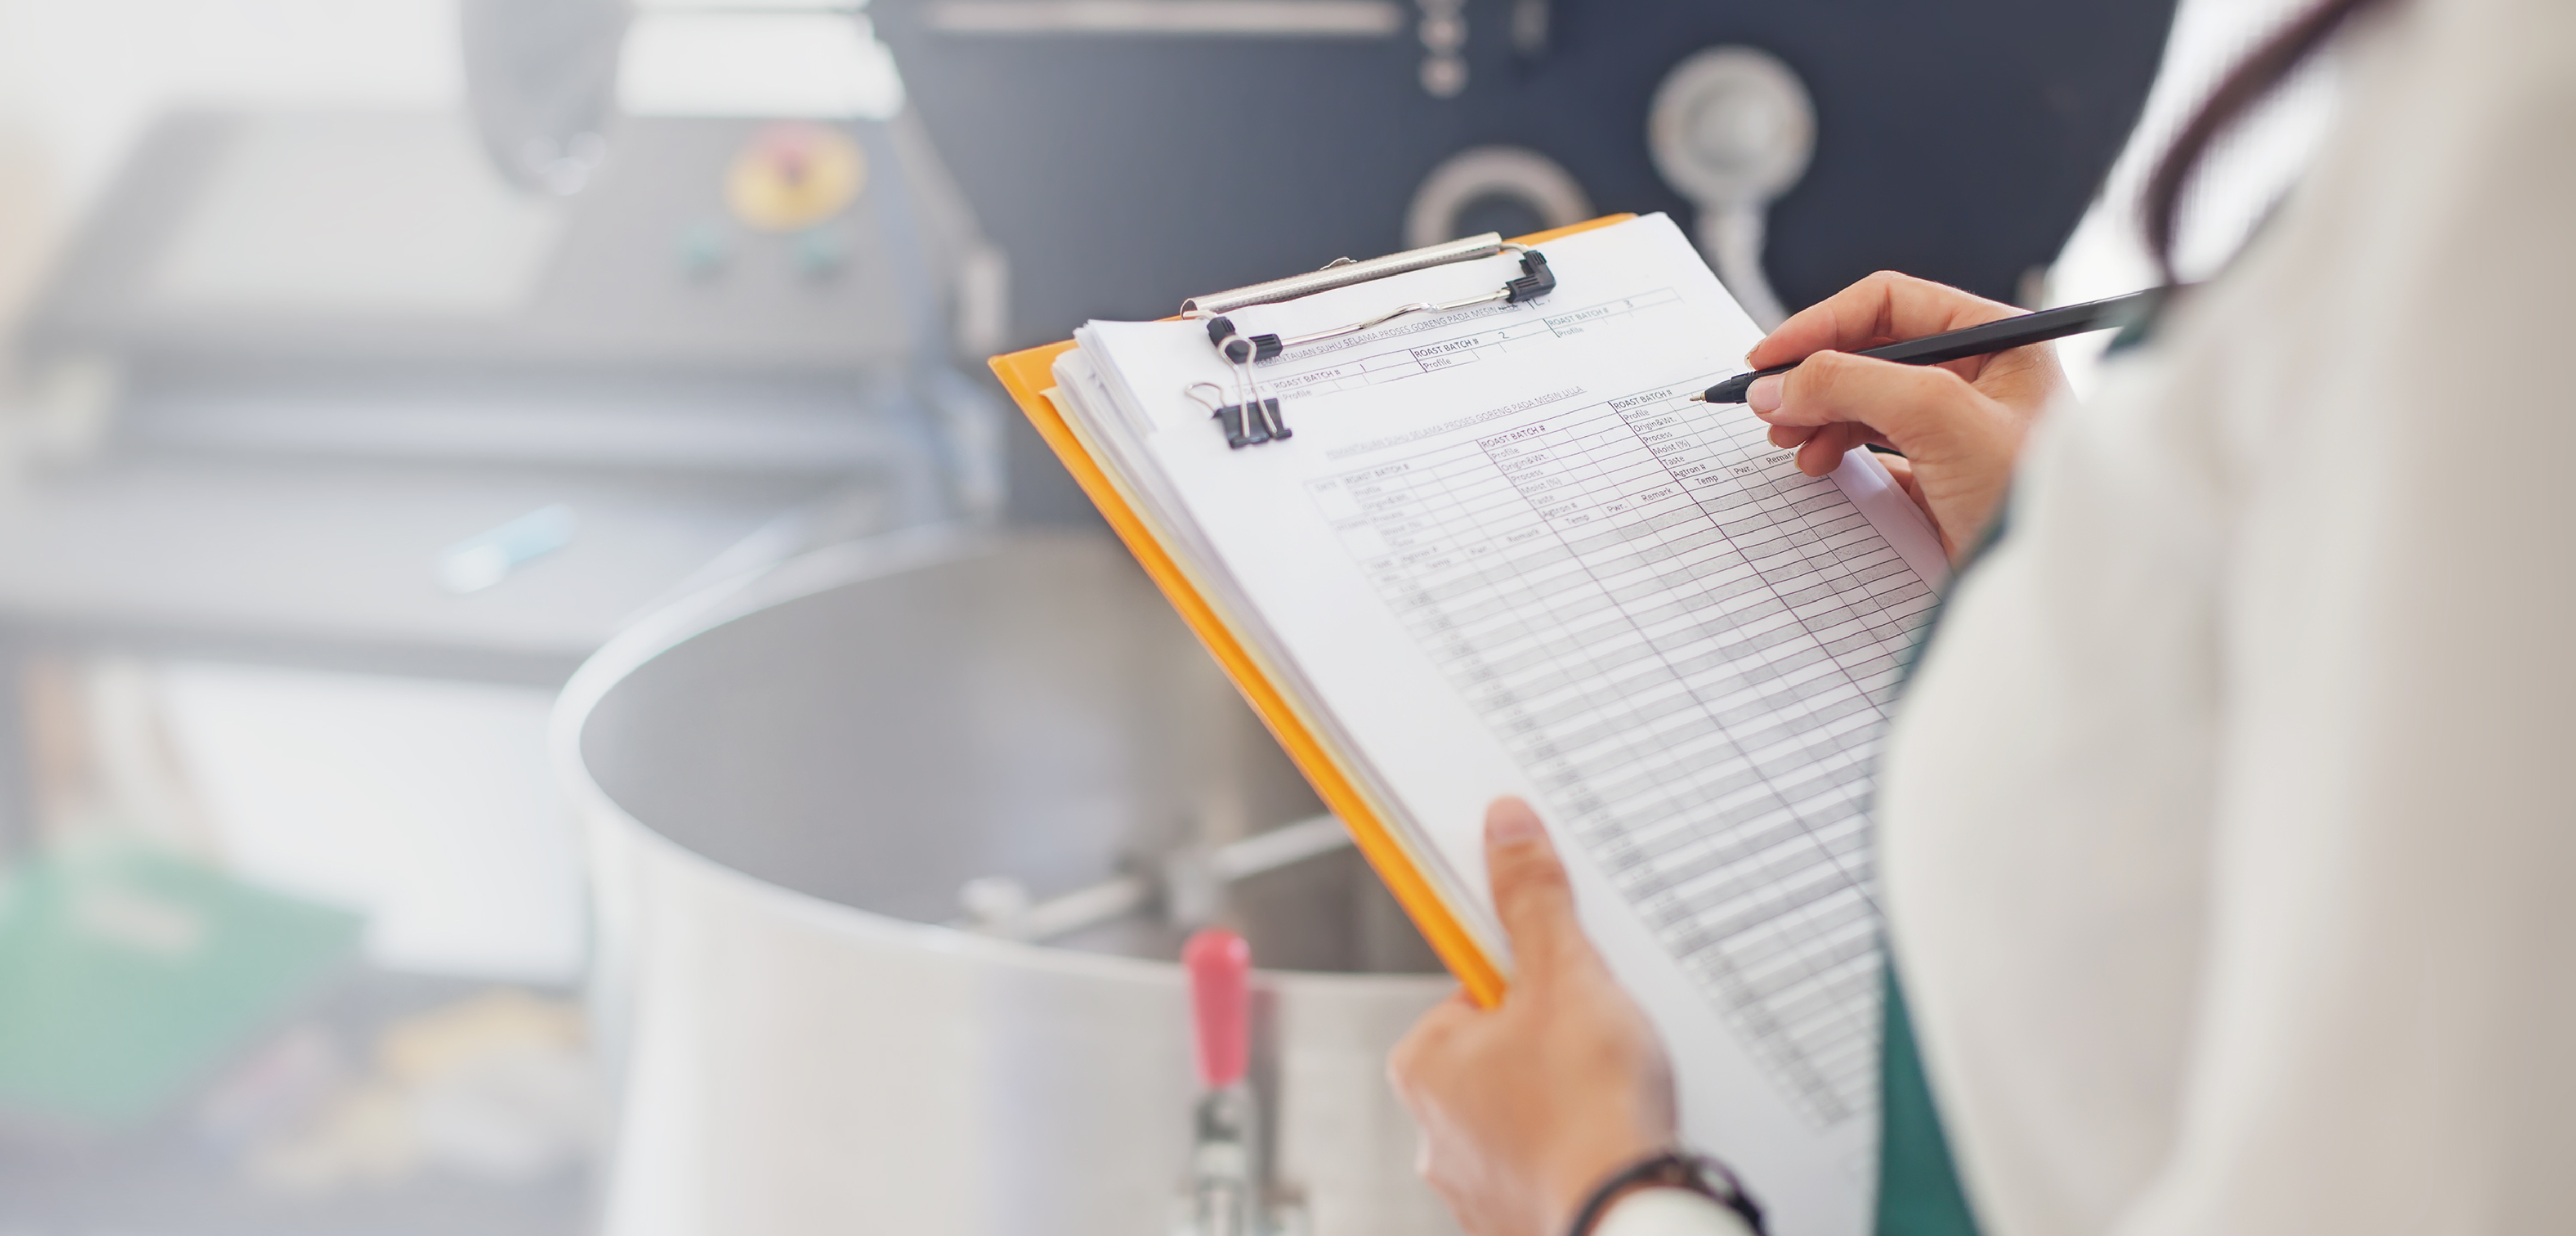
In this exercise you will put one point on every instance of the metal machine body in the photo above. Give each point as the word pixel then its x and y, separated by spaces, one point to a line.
pixel 293 359
pixel 1178 147
pixel 786 786
pixel 298 281
pixel 305 237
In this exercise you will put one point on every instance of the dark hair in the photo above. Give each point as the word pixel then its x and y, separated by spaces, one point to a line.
pixel 2248 84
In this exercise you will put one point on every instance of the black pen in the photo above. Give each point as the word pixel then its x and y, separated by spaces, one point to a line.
pixel 1996 336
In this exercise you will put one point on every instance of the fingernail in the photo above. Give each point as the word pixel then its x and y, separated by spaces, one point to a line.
pixel 1764 395
pixel 1510 820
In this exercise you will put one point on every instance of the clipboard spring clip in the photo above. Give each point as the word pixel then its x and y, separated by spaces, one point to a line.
pixel 1252 419
pixel 1536 281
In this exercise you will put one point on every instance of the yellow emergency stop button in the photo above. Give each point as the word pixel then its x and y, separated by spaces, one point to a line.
pixel 794 175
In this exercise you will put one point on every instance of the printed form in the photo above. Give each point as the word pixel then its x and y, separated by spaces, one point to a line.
pixel 1507 554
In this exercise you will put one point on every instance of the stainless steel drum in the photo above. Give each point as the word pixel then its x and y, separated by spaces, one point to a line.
pixel 786 785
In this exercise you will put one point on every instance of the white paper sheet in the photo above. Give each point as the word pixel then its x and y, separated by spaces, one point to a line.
pixel 1504 554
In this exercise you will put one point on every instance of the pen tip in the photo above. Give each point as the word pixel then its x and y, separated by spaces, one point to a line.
pixel 1699 397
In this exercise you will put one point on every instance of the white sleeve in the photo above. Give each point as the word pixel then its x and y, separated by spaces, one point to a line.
pixel 2298 960
pixel 1669 1212
pixel 2383 1033
pixel 2381 1041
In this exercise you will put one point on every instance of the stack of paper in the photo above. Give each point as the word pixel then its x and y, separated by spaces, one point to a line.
pixel 1505 553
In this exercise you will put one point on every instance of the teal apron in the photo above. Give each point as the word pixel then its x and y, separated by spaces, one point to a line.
pixel 1918 1182
pixel 1918 1185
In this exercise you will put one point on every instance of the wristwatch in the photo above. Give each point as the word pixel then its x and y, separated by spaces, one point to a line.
pixel 1670 1169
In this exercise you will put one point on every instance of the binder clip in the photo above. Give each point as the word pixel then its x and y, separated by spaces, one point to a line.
pixel 1247 422
pixel 1252 419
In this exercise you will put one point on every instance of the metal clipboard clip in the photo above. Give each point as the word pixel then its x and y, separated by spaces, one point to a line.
pixel 1253 419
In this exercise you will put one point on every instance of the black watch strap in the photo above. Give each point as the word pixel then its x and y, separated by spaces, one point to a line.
pixel 1671 1169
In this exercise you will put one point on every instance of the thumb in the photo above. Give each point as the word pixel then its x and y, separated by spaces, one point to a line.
pixel 1904 403
pixel 1531 893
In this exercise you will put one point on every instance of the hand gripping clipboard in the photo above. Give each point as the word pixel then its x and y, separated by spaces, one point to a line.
pixel 1028 376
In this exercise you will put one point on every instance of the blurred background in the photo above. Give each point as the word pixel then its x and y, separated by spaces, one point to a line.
pixel 542 687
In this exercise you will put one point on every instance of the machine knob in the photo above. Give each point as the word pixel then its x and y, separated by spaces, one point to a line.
pixel 1220 966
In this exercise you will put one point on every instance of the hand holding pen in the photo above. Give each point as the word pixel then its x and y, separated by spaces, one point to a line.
pixel 1959 422
pixel 2000 335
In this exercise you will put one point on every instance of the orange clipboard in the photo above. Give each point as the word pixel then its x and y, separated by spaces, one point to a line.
pixel 1028 375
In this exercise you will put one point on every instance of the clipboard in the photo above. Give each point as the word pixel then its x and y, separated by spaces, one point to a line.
pixel 1029 374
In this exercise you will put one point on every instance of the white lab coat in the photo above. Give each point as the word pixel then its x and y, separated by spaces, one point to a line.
pixel 2227 833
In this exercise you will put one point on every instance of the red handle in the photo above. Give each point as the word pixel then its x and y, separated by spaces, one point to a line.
pixel 1220 966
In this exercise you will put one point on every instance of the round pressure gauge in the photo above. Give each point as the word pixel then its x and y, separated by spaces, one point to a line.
pixel 1519 178
pixel 1731 125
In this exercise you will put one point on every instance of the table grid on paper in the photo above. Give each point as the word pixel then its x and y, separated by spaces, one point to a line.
pixel 1689 646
